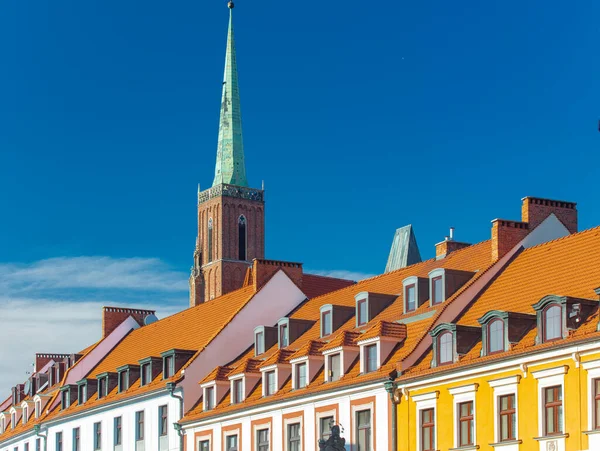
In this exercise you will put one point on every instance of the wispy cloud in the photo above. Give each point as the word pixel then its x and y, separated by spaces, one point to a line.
pixel 55 305
pixel 341 274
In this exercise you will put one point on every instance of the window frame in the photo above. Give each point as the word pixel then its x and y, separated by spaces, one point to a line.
pixel 330 423
pixel 299 366
pixel 439 348
pixel 270 382
pixel 259 342
pixel 59 441
pixel 558 408
pixel 511 414
pixel 228 438
pixel 295 440
pixel 163 420
pixel 237 388
pixel 429 427
pixel 117 431
pixel 330 366
pixel 284 338
pixel 209 398
pixel 326 323
pixel 544 314
pixel 366 428
pixel 469 419
pixel 97 430
pixel 263 446
pixel 139 426
pixel 435 279
pixel 407 287
pixel 360 321
pixel 76 439
pixel 489 336
pixel 371 359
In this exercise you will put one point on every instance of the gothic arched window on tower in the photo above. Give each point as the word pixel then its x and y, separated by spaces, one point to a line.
pixel 242 237
pixel 210 240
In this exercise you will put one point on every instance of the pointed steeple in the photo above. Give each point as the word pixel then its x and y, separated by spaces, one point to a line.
pixel 230 167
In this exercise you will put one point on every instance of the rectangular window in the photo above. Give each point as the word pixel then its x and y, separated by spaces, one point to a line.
pixel 335 368
pixel 283 336
pixel 122 381
pixel 146 374
pixel 508 417
pixel 139 425
pixel 427 430
pixel 76 444
pixel 97 436
pixel 204 446
pixel 553 410
pixel 231 442
pixel 262 439
pixel 437 290
pixel 363 430
pixel 325 323
pixel 270 388
pixel 210 398
pixel 361 308
pixel 65 399
pixel 325 425
pixel 409 295
pixel 163 417
pixel 237 391
pixel 294 442
pixel 259 343
pixel 596 403
pixel 301 381
pixel 118 431
pixel 370 358
pixel 38 444
pixel 26 447
pixel 82 396
pixel 169 366
pixel 465 423
pixel 101 387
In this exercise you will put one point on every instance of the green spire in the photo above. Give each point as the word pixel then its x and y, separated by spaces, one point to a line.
pixel 230 168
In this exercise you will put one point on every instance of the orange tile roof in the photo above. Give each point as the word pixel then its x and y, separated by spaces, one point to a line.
pixel 473 258
pixel 247 366
pixel 281 356
pixel 314 285
pixel 220 373
pixel 344 338
pixel 311 348
pixel 385 329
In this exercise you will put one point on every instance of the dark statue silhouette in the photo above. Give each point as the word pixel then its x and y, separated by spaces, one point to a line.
pixel 335 442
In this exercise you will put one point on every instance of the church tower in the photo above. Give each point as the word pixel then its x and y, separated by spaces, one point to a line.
pixel 230 213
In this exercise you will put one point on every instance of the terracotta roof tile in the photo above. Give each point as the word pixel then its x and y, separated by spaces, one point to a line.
pixel 344 338
pixel 314 285
pixel 385 329
pixel 220 373
pixel 281 356
pixel 247 366
pixel 311 348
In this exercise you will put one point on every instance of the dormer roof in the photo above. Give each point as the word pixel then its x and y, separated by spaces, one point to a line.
pixel 342 339
pixel 385 329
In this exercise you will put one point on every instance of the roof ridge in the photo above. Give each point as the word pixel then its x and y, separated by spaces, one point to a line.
pixel 563 238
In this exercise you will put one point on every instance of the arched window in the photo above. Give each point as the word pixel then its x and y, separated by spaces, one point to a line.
pixel 552 322
pixel 242 237
pixel 445 352
pixel 210 240
pixel 495 336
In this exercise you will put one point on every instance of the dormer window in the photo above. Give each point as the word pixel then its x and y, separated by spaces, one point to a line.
pixel 495 336
pixel 106 383
pixel 173 361
pixel 556 315
pixel 290 329
pixel 237 391
pixel 270 383
pixel 128 374
pixel 68 394
pixel 552 322
pixel 169 366
pixel 146 374
pixel 149 369
pixel 102 382
pixel 209 398
pixel 13 420
pixel 283 336
pixel 437 290
pixel 325 323
pixel 38 408
pixel 301 375
pixel 123 381
pixel 362 316
pixel 25 414
pixel 259 343
pixel 370 356
pixel 410 299
pixel 445 348
pixel 415 292
pixel 264 338
pixel 333 317
pixel 500 329
pixel 443 283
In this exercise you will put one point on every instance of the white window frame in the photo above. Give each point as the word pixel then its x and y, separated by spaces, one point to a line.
pixel 545 379
pixel 205 438
pixel 503 387
pixel 295 367
pixel 205 397
pixel 593 372
pixel 265 380
pixel 326 308
pixel 424 402
pixel 260 427
pixel 286 423
pixel 363 353
pixel 358 408
pixel 243 385
pixel 438 272
pixel 462 394
pixel 318 416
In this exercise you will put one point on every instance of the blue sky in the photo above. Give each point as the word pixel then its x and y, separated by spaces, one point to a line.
pixel 360 117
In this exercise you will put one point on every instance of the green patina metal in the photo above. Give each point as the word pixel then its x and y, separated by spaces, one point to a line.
pixel 405 251
pixel 230 168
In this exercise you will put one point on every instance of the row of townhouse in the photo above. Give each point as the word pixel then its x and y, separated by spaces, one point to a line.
pixel 440 355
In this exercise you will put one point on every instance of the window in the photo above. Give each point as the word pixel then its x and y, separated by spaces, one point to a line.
pixel 123 381
pixel 65 399
pixel 237 391
pixel 552 323
pixel 25 414
pixel 410 299
pixel 437 290
pixel 169 366
pixel 335 369
pixel 465 423
pixel 553 410
pixel 283 336
pixel 301 381
pixel 26 447
pixel 118 431
pixel 163 420
pixel 210 240
pixel 146 374
pixel 209 402
pixel 38 408
pixel 325 323
pixel 445 348
pixel 325 425
pixel 204 445
pixel 231 443
pixel 139 425
pixel 596 404
pixel 97 436
pixel 242 238
pixel 102 383
pixel 76 437
pixel 427 430
pixel 370 358
pixel 362 315
pixel 262 439
pixel 59 441
pixel 495 336
pixel 82 396
pixel 508 417
pixel 38 444
pixel 259 343
pixel 13 420
pixel 270 387
pixel 293 431
pixel 363 430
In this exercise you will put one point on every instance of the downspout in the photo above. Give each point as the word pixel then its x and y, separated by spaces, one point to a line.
pixel 390 387
pixel 171 387
pixel 37 429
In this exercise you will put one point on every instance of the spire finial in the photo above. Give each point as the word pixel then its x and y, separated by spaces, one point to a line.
pixel 231 5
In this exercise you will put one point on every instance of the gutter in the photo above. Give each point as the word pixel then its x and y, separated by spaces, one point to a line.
pixel 37 429
pixel 390 387
pixel 171 388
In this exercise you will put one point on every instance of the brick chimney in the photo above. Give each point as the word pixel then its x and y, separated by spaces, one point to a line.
pixel 506 235
pixel 448 245
pixel 41 359
pixel 535 209
pixel 112 317
pixel 262 270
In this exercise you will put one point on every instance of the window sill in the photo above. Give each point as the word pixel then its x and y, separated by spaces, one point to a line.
pixel 465 448
pixel 507 442
pixel 592 432
pixel 550 437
